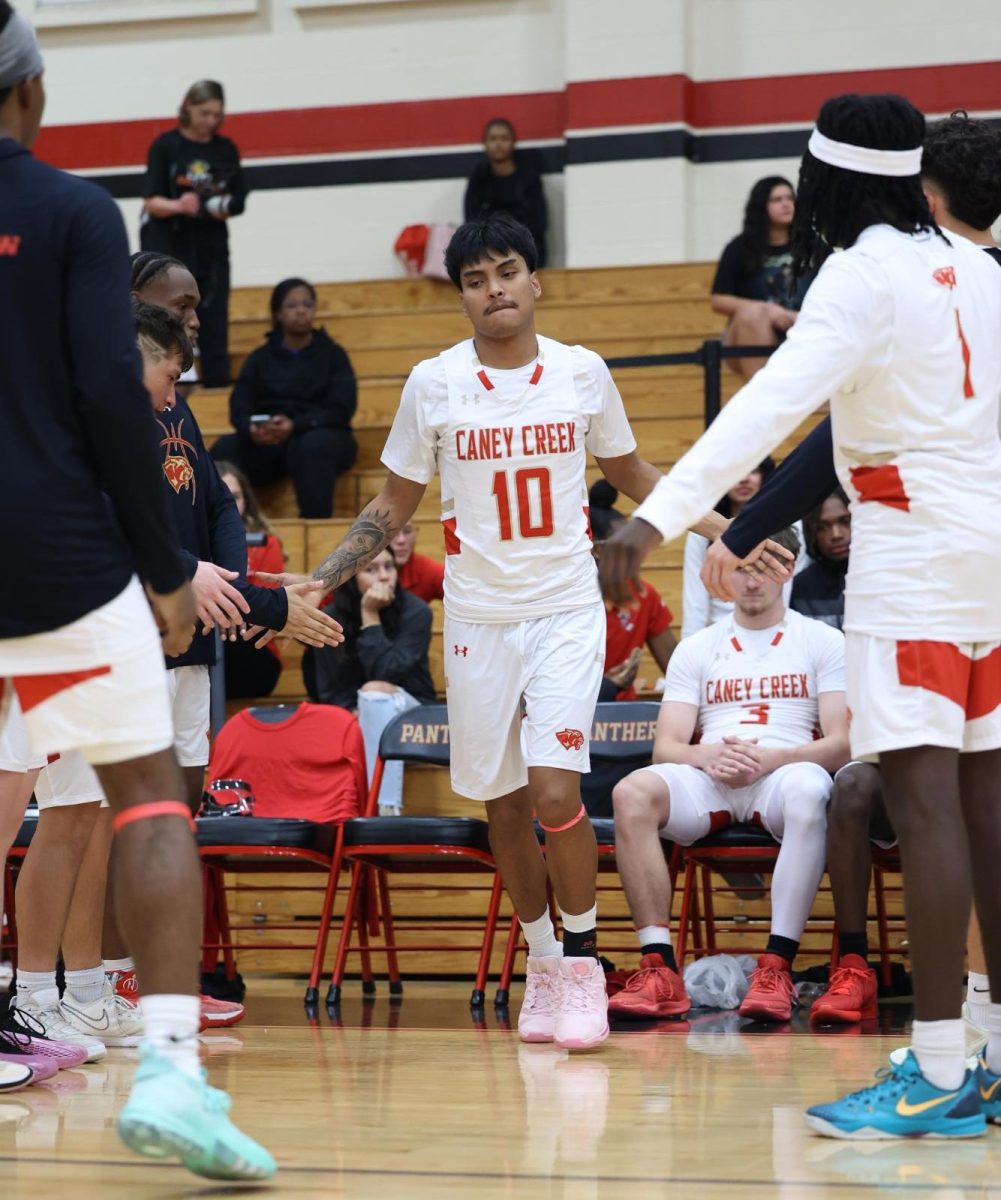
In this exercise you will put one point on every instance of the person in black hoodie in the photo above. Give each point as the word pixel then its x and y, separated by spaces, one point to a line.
pixel 292 405
pixel 505 182
pixel 194 186
pixel 819 590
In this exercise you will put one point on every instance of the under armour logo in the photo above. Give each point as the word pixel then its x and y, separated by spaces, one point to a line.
pixel 457 650
pixel 467 397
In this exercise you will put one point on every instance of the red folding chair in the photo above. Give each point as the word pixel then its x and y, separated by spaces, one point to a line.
pixel 15 856
pixel 380 847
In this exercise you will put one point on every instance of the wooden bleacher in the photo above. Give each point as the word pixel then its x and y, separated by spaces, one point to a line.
pixel 387 326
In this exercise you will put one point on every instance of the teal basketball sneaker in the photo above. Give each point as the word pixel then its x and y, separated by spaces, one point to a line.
pixel 169 1113
pixel 989 1086
pixel 903 1104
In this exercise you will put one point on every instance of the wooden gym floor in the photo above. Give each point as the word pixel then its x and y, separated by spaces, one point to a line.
pixel 416 1099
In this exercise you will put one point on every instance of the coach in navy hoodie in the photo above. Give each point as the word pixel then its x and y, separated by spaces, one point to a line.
pixel 302 381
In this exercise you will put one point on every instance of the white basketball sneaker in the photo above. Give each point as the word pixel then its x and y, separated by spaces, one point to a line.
pixel 538 1009
pixel 111 1018
pixel 44 1007
pixel 582 1016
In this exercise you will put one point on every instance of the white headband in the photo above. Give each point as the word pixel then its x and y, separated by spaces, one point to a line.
pixel 864 159
pixel 20 57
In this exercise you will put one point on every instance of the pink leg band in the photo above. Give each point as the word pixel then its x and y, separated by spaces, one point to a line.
pixel 156 808
pixel 569 825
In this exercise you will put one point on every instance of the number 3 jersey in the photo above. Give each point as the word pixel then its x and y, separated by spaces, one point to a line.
pixel 511 449
pixel 758 683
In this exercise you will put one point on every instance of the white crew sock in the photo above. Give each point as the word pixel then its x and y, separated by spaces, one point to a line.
pixel 119 964
pixel 88 985
pixel 978 998
pixel 940 1048
pixel 171 1024
pixel 30 983
pixel 654 935
pixel 992 1054
pixel 541 937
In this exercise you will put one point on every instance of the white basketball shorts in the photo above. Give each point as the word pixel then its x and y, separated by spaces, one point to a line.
pixel 521 695
pixel 16 753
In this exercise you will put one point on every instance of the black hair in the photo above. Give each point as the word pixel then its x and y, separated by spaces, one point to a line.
pixel 603 514
pixel 281 290
pixel 764 468
pixel 788 539
pixel 754 243
pixel 346 609
pixel 499 121
pixel 811 522
pixel 6 12
pixel 163 329
pixel 148 266
pixel 497 233
pixel 835 205
pixel 962 158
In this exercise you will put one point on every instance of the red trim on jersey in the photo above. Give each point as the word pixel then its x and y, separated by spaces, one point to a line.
pixel 736 645
pixel 938 667
pixel 881 485
pixel 778 637
pixel 985 685
pixel 33 690
pixel 484 378
pixel 537 373
pixel 452 543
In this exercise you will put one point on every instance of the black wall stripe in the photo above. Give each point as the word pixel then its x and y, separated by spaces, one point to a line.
pixel 550 160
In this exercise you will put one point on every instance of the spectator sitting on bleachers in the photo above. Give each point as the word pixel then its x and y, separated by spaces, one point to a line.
pixel 292 405
pixel 819 589
pixel 756 687
pixel 502 181
pixel 416 573
pixel 698 608
pixel 381 669
pixel 754 286
pixel 249 672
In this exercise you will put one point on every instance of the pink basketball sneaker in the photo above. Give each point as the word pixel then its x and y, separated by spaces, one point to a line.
pixel 542 991
pixel 582 1016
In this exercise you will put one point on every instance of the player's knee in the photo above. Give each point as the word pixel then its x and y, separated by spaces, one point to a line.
pixel 805 797
pixel 378 685
pixel 69 825
pixel 634 803
pixel 852 796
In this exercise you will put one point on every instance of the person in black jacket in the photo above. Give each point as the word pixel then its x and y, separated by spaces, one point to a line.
pixel 381 669
pixel 194 185
pixel 819 590
pixel 292 405
pixel 504 182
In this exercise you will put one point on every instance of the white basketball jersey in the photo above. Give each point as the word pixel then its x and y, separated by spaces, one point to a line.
pixel 511 449
pixel 758 683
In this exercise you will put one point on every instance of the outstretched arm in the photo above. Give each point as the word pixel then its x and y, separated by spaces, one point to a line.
pixel 373 530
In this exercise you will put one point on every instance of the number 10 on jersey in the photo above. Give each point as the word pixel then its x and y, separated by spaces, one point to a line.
pixel 534 497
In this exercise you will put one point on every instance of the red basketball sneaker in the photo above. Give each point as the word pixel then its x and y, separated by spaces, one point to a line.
pixel 772 993
pixel 652 991
pixel 850 996
pixel 216 1014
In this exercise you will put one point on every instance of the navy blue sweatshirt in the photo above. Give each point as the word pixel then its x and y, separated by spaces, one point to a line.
pixel 208 524
pixel 75 419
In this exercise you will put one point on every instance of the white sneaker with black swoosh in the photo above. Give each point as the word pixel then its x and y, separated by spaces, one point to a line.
pixel 111 1018
pixel 45 1008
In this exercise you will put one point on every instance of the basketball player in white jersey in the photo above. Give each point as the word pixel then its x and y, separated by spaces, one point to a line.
pixel 901 331
pixel 507 418
pixel 752 725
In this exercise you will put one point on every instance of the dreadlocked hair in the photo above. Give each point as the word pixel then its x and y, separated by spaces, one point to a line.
pixel 962 159
pixel 835 205
pixel 754 245
pixel 149 265
pixel 811 522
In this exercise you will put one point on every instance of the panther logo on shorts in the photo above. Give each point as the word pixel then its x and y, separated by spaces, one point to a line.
pixel 570 739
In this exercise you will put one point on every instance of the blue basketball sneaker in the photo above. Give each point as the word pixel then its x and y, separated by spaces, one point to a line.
pixel 169 1113
pixel 989 1086
pixel 904 1104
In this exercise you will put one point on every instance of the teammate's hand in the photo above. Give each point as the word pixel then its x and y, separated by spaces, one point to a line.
pixel 217 602
pixel 306 623
pixel 189 204
pixel 622 556
pixel 174 614
pixel 768 560
pixel 283 578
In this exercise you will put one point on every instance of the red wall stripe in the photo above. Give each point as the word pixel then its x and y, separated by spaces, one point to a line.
pixel 598 104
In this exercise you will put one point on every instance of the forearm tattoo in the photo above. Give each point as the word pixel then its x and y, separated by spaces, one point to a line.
pixel 372 531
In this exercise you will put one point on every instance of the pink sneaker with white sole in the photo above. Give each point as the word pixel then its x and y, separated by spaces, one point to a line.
pixel 582 1013
pixel 537 1018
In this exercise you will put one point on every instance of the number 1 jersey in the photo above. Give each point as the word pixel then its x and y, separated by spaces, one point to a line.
pixel 511 449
